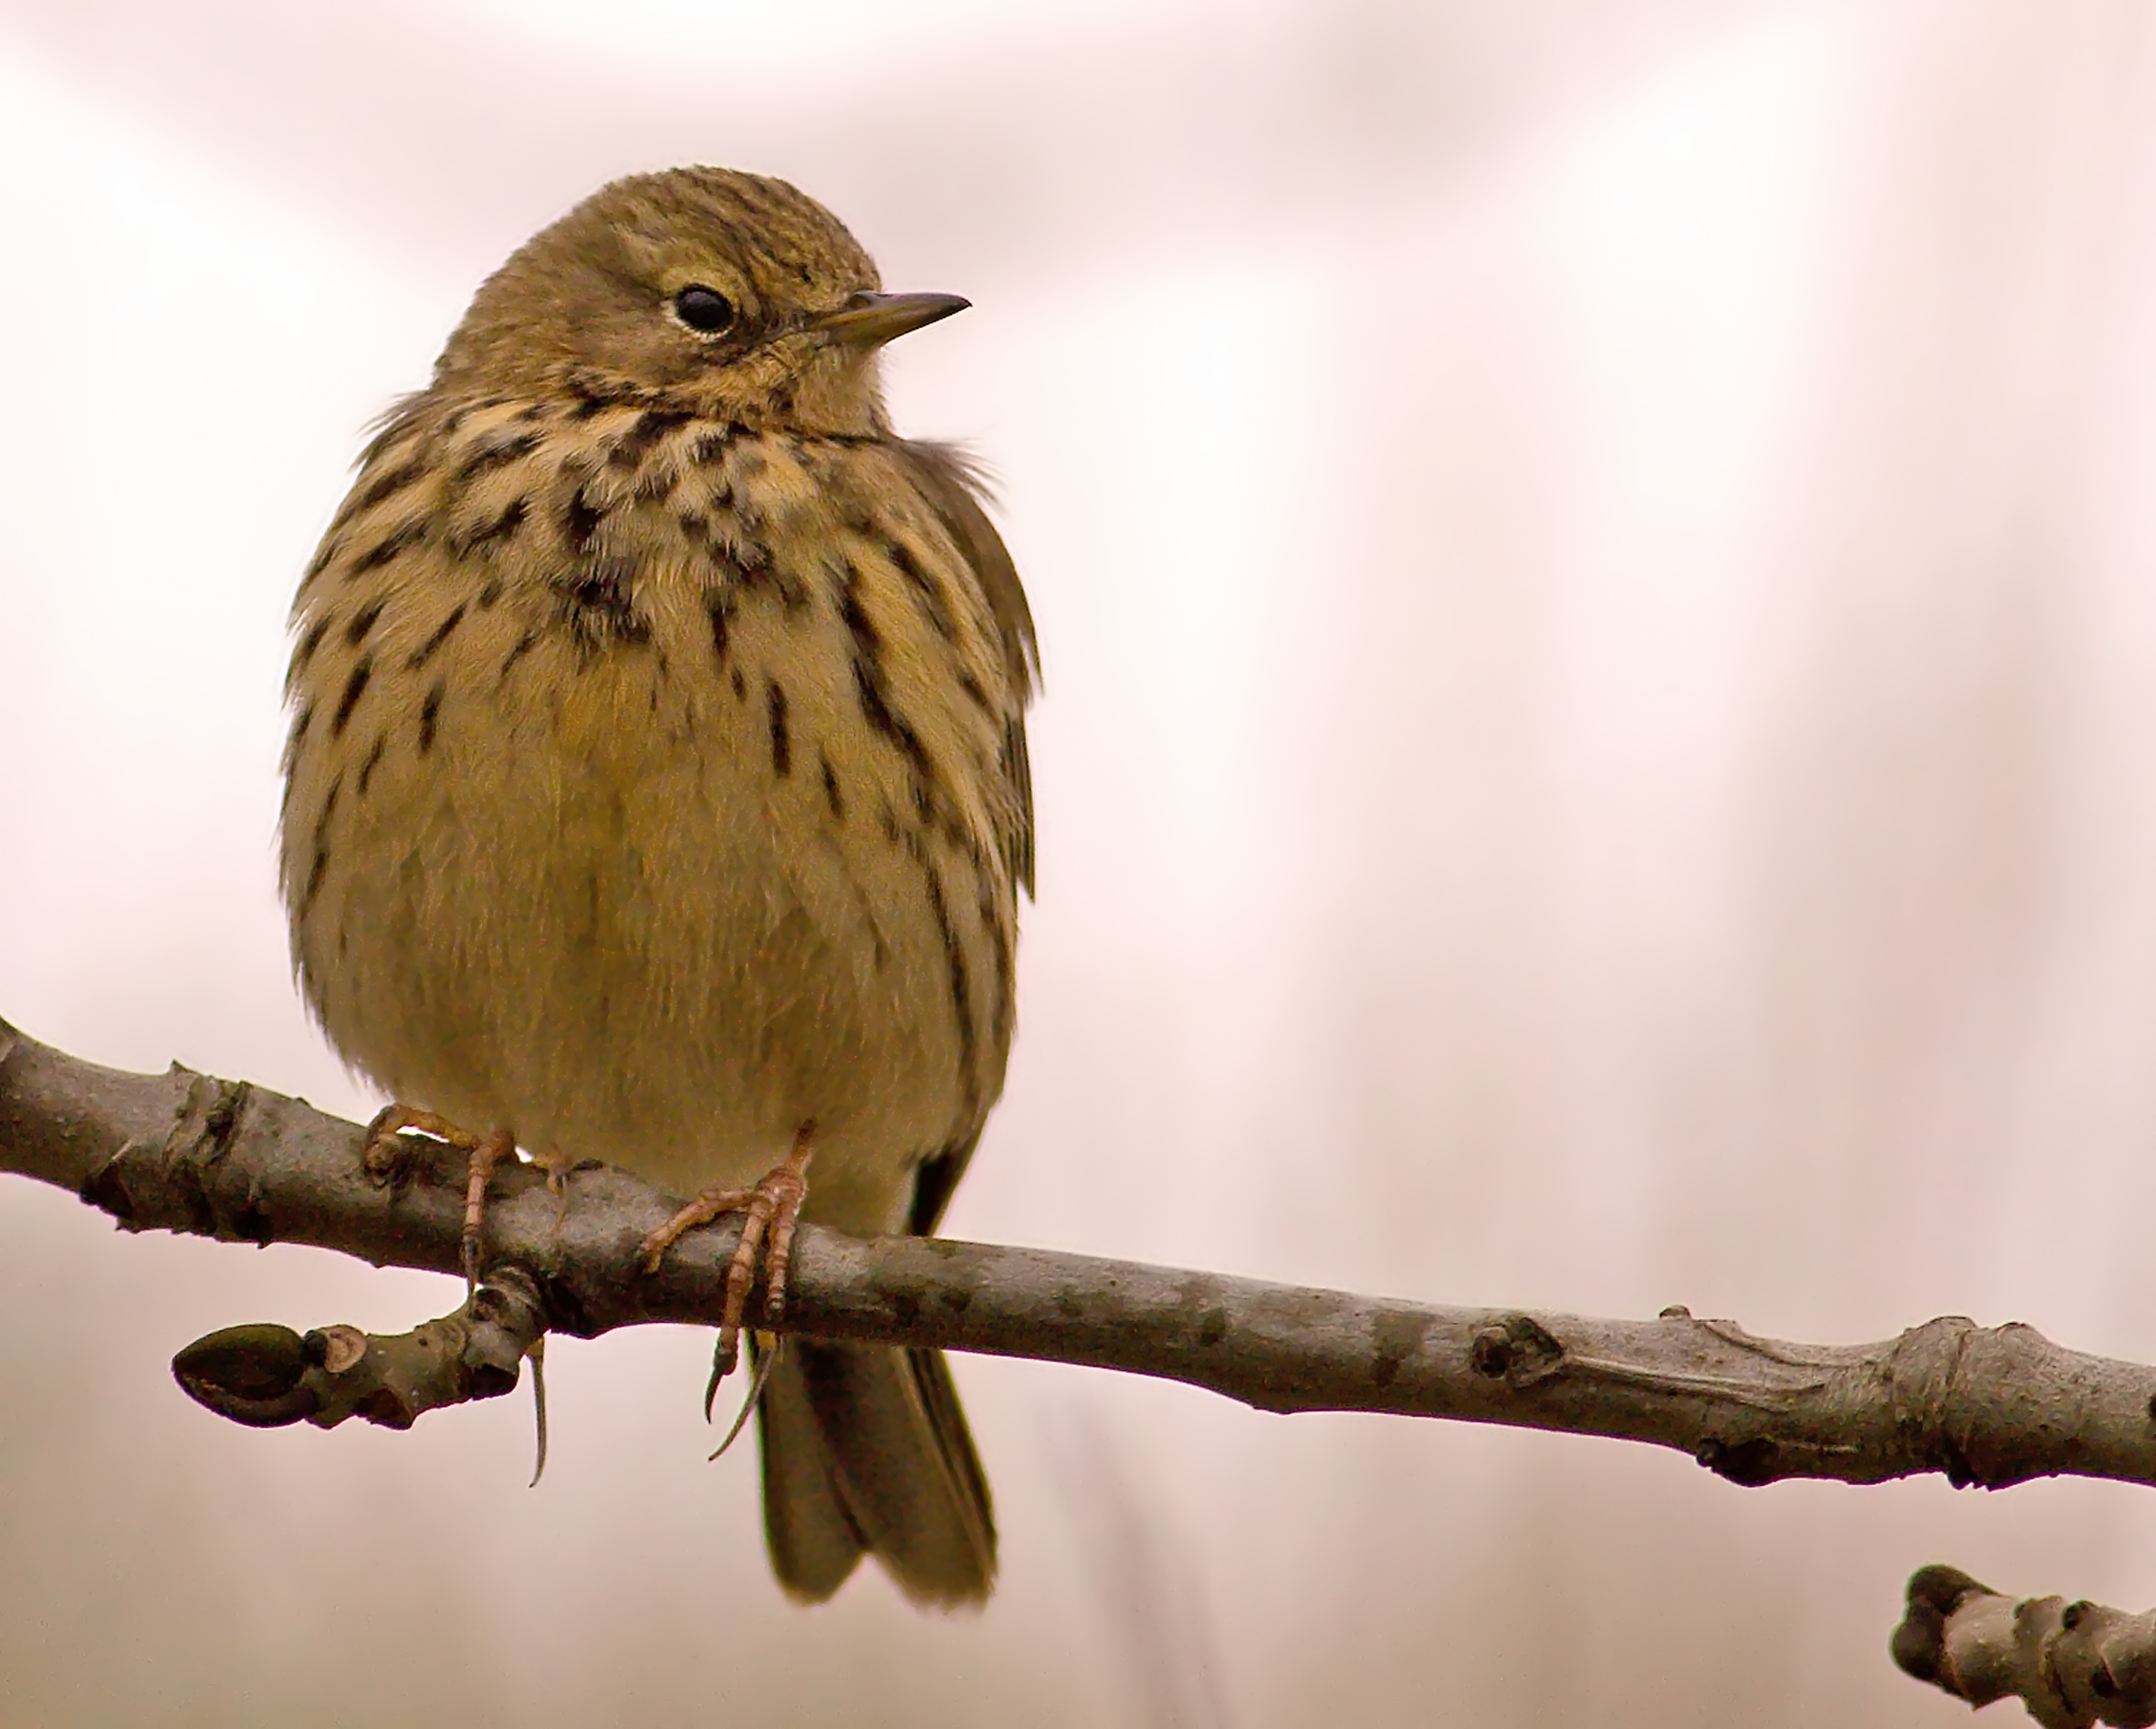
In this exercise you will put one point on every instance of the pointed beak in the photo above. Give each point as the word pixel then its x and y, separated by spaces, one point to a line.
pixel 869 320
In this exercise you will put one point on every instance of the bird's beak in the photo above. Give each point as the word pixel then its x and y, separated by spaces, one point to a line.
pixel 869 320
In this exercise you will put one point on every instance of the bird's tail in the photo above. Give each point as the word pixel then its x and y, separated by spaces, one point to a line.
pixel 865 1452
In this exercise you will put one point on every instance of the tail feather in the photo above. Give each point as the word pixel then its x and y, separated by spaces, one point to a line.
pixel 866 1451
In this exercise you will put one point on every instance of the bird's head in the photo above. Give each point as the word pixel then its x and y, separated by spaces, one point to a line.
pixel 724 294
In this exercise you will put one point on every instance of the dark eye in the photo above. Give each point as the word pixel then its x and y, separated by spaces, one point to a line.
pixel 703 309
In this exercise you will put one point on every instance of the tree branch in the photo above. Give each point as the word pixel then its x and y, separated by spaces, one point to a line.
pixel 1989 1406
pixel 2073 1665
pixel 185 1152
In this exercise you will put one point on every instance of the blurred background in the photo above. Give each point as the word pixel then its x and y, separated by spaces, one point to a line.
pixel 1596 568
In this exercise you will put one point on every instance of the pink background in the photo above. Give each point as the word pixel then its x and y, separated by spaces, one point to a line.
pixel 1596 566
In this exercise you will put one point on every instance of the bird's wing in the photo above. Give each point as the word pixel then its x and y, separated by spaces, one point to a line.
pixel 953 487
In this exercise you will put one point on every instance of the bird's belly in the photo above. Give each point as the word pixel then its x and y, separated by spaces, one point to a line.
pixel 608 923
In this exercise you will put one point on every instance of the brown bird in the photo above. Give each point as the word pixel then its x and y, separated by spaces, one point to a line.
pixel 657 788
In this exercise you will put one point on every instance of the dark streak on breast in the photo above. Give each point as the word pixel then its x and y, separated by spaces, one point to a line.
pixel 309 644
pixel 355 686
pixel 523 646
pixel 373 757
pixel 362 622
pixel 319 868
pixel 643 432
pixel 297 737
pixel 831 795
pixel 425 651
pixel 383 487
pixel 869 681
pixel 781 741
pixel 399 540
pixel 994 920
pixel 961 988
pixel 721 606
pixel 598 603
pixel 504 522
pixel 430 712
pixel 495 453
pixel 751 565
pixel 935 604
pixel 580 522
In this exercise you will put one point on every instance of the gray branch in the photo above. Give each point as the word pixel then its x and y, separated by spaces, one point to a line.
pixel 2073 1665
pixel 184 1152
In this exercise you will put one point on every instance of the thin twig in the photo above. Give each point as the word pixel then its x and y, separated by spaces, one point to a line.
pixel 2072 1665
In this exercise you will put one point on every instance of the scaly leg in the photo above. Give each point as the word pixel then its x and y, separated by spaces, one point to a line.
pixel 389 1157
pixel 774 1208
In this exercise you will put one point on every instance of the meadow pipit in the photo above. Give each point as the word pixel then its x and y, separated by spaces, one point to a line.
pixel 657 786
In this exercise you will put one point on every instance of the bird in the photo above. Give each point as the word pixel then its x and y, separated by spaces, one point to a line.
pixel 656 791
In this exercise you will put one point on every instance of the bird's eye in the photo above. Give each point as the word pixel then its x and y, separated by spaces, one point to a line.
pixel 703 309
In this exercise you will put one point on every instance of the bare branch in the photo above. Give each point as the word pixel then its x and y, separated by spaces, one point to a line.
pixel 2074 1665
pixel 184 1152
pixel 267 1376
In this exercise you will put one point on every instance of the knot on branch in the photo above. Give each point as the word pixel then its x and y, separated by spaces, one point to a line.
pixel 1926 1380
pixel 1993 1406
pixel 1517 1349
pixel 164 1183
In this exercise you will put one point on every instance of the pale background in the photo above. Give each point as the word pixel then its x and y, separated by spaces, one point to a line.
pixel 1597 565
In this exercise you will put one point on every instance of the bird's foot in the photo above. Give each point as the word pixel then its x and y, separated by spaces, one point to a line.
pixel 390 1155
pixel 773 1206
pixel 559 1168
